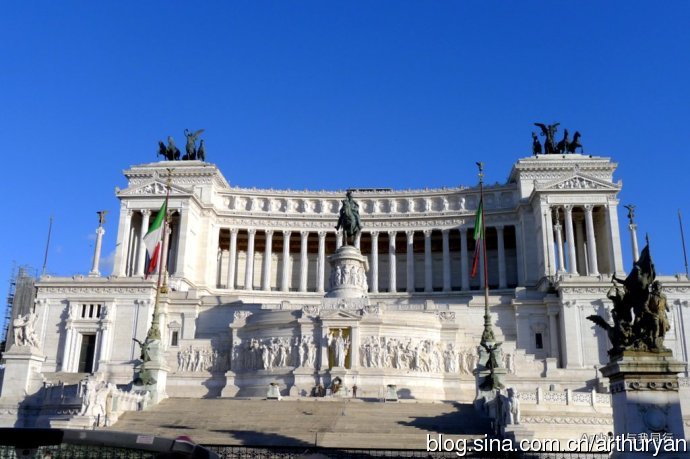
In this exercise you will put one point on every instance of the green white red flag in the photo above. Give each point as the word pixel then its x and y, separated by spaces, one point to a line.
pixel 153 239
pixel 478 237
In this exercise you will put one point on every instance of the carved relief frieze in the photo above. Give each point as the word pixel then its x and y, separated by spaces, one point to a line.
pixel 97 290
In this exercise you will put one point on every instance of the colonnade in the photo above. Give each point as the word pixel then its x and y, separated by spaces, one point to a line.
pixel 296 260
pixel 591 244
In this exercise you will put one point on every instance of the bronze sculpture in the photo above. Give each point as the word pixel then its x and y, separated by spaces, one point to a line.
pixel 190 148
pixel 549 131
pixel 536 146
pixel 564 144
pixel 575 144
pixel 349 217
pixel 639 313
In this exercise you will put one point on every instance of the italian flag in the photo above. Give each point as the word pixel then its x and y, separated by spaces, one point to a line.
pixel 154 239
pixel 478 236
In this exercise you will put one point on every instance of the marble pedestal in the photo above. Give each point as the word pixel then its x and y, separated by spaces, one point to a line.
pixel 158 369
pixel 22 372
pixel 645 401
pixel 348 273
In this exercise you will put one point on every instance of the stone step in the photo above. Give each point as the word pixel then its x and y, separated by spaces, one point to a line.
pixel 304 422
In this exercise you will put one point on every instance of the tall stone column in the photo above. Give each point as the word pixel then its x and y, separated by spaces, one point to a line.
pixel 141 269
pixel 591 242
pixel 502 282
pixel 391 260
pixel 249 270
pixel 464 269
pixel 321 262
pixel 446 260
pixel 303 261
pixel 578 223
pixel 614 237
pixel 520 252
pixel 285 278
pixel 268 262
pixel 123 242
pixel 374 280
pixel 166 246
pixel 549 255
pixel 428 273
pixel 97 252
pixel 212 256
pixel 633 239
pixel 559 246
pixel 182 241
pixel 570 239
pixel 232 258
pixel 410 261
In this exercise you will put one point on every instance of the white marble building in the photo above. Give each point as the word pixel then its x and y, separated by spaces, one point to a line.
pixel 249 272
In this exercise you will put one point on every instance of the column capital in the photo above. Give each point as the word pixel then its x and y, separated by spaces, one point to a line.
pixel 392 233
pixel 589 208
pixel 234 230
pixel 286 233
pixel 145 212
pixel 304 233
pixel 322 234
pixel 499 227
pixel 374 234
pixel 410 234
pixel 568 208
pixel 427 233
pixel 269 232
pixel 129 212
pixel 445 231
pixel 251 231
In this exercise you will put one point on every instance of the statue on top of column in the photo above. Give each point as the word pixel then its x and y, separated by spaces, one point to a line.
pixel 349 217
pixel 639 314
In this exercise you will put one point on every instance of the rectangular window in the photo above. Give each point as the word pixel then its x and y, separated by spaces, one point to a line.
pixel 174 337
pixel 539 341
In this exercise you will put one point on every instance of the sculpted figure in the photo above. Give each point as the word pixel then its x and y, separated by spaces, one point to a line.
pixel 575 144
pixel 190 148
pixel 536 145
pixel 549 131
pixel 564 144
pixel 512 408
pixel 349 217
pixel 340 347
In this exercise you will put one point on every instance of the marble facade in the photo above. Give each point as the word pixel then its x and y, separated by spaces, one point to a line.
pixel 255 298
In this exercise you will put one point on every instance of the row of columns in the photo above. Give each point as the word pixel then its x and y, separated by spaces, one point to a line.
pixel 573 234
pixel 284 284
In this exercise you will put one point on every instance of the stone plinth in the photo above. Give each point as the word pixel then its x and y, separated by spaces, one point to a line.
pixel 22 372
pixel 645 399
pixel 158 369
pixel 348 273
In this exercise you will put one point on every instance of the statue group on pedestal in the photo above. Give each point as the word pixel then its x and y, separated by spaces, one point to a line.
pixel 340 346
pixel 172 153
pixel 565 145
pixel 639 313
pixel 24 328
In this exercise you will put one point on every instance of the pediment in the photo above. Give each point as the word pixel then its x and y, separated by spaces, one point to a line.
pixel 578 182
pixel 152 188
pixel 339 315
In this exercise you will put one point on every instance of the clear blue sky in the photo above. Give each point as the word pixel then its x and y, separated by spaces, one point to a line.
pixel 399 94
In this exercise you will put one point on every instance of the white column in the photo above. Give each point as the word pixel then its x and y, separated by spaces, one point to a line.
pixel 392 284
pixel 166 250
pixel 141 269
pixel 519 251
pixel 338 239
pixel 358 239
pixel 374 279
pixel 591 243
pixel 464 270
pixel 97 252
pixel 303 260
pixel 559 247
pixel 232 258
pixel 549 255
pixel 212 256
pixel 122 242
pixel 410 261
pixel 268 256
pixel 249 270
pixel 570 239
pixel 321 262
pixel 446 260
pixel 502 283
pixel 580 245
pixel 285 278
pixel 180 258
pixel 428 287
pixel 633 240
pixel 614 237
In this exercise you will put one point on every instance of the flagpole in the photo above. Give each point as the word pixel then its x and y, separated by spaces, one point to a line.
pixel 45 257
pixel 682 238
pixel 154 332
pixel 488 333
